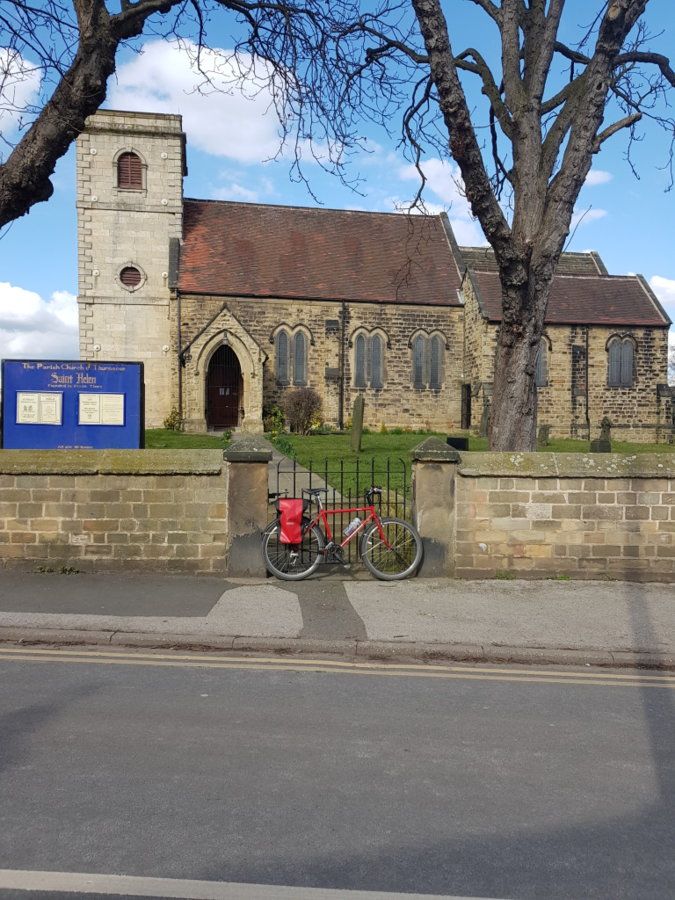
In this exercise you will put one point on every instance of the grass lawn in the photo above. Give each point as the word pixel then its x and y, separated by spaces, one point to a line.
pixel 163 439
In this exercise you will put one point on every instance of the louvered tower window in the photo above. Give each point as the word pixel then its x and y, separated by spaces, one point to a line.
pixel 130 277
pixel 130 172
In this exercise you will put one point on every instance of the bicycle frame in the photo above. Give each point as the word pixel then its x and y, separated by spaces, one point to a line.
pixel 323 514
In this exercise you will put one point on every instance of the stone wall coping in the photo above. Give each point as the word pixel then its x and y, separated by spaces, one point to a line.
pixel 433 449
pixel 251 448
pixel 111 462
pixel 567 465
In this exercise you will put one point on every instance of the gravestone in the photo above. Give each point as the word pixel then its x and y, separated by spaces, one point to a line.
pixel 604 442
pixel 357 423
pixel 544 436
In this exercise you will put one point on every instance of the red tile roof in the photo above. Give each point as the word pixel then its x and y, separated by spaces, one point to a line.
pixel 584 300
pixel 254 250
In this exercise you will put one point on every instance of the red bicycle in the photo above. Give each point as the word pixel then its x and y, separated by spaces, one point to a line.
pixel 296 543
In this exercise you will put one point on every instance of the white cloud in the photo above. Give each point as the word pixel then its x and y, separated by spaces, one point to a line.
pixel 586 216
pixel 19 85
pixel 664 288
pixel 32 327
pixel 596 177
pixel 233 117
pixel 445 182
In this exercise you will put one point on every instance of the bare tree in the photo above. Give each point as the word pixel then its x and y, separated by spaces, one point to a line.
pixel 67 50
pixel 550 108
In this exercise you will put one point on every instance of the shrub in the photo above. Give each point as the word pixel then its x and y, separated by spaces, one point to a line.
pixel 302 407
pixel 173 421
pixel 273 419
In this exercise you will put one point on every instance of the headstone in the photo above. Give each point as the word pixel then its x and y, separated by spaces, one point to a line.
pixel 485 418
pixel 604 442
pixel 544 436
pixel 357 423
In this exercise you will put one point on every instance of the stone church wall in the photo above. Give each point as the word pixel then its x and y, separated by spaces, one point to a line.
pixel 637 413
pixel 397 404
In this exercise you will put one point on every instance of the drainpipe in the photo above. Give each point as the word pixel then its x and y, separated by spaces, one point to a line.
pixel 588 415
pixel 341 383
pixel 179 337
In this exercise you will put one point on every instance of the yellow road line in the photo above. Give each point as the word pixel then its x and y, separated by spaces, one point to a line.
pixel 328 663
pixel 276 665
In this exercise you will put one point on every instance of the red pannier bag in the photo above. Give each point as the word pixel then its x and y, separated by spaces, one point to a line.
pixel 290 520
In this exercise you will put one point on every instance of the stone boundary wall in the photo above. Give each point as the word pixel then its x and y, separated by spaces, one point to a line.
pixel 133 510
pixel 542 515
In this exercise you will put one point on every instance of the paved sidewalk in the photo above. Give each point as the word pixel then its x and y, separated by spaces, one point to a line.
pixel 599 623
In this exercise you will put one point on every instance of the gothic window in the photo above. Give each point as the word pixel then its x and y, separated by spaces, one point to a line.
pixel 299 358
pixel 129 172
pixel 541 365
pixel 621 362
pixel 418 359
pixel 360 361
pixel 281 356
pixel 375 360
pixel 368 361
pixel 427 362
pixel 436 363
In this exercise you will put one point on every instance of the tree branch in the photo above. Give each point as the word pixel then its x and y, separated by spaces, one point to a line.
pixel 626 122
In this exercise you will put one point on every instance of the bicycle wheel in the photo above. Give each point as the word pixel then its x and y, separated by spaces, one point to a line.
pixel 396 557
pixel 292 562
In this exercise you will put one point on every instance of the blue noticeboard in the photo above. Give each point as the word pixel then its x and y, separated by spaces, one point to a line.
pixel 72 405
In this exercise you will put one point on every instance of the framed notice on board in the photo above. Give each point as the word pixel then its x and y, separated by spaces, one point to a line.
pixel 39 407
pixel 101 409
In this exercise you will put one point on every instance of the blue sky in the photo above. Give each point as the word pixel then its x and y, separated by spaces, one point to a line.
pixel 630 222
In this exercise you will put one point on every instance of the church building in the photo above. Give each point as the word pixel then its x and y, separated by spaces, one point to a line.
pixel 230 304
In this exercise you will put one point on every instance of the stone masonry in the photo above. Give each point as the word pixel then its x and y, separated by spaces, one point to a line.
pixel 118 228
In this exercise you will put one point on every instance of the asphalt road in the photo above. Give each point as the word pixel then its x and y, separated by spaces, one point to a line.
pixel 445 781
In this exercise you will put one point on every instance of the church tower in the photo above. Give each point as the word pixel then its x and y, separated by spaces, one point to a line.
pixel 130 169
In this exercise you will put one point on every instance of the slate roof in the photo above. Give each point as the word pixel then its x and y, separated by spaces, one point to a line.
pixel 255 250
pixel 483 259
pixel 583 300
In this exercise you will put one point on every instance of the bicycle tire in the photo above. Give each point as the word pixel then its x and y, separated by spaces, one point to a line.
pixel 390 564
pixel 286 561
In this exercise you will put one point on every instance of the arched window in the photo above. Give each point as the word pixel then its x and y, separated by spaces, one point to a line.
pixel 418 355
pixel 281 356
pixel 375 360
pixel 541 365
pixel 129 172
pixel 627 363
pixel 360 361
pixel 299 358
pixel 427 362
pixel 620 362
pixel 436 367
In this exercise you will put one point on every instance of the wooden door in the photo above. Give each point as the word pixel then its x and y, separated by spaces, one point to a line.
pixel 223 389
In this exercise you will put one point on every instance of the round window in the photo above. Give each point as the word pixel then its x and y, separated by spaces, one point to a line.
pixel 130 276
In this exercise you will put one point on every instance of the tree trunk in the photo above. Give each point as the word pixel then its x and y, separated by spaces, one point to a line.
pixel 513 411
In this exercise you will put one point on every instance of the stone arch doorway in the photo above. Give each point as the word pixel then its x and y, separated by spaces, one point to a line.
pixel 224 389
